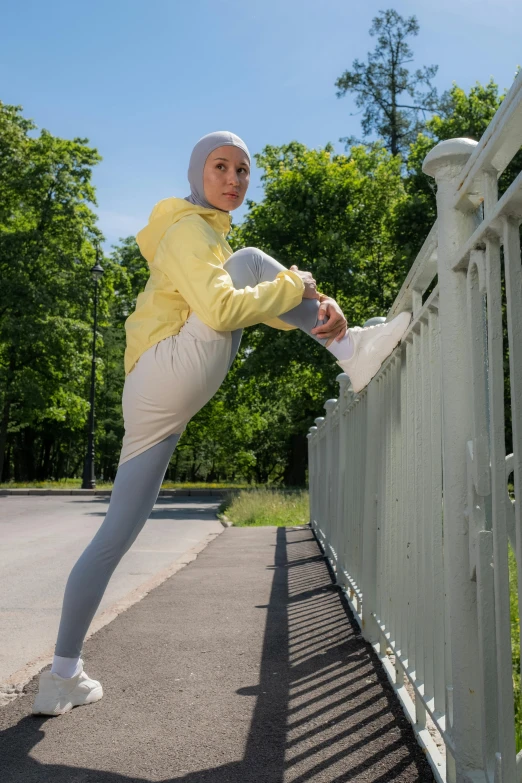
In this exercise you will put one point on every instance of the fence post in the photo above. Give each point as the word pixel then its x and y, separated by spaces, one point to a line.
pixel 369 627
pixel 329 506
pixel 319 480
pixel 463 708
pixel 312 449
pixel 343 480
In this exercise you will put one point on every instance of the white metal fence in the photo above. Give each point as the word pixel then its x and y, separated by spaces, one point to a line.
pixel 408 479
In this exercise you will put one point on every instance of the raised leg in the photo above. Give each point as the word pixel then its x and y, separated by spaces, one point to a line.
pixel 360 352
pixel 250 266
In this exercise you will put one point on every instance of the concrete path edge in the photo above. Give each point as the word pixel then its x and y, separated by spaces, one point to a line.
pixel 198 492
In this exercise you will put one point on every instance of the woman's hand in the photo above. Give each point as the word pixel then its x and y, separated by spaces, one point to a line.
pixel 336 326
pixel 310 291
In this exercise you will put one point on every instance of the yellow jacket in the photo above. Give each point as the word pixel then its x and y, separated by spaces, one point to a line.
pixel 185 246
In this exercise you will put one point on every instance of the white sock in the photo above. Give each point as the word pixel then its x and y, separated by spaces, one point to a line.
pixel 65 667
pixel 344 348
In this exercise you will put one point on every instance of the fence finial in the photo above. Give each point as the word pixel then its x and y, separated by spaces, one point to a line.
pixel 448 153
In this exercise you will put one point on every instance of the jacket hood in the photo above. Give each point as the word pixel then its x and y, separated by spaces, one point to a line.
pixel 169 211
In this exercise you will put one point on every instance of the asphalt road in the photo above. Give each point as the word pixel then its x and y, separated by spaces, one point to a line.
pixel 41 539
pixel 244 667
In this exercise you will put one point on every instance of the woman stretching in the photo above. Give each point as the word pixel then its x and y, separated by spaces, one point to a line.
pixel 181 340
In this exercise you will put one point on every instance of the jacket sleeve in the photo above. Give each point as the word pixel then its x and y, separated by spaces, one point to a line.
pixel 192 261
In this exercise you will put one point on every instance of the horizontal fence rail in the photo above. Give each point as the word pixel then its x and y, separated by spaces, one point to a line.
pixel 409 479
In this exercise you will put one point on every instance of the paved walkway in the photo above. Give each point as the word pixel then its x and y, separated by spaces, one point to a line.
pixel 244 667
pixel 42 537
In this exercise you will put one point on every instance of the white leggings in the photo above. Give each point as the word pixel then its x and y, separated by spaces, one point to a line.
pixel 170 383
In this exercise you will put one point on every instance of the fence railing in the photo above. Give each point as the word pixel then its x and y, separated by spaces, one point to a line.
pixel 408 479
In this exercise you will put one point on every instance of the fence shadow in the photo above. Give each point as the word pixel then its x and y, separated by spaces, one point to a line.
pixel 324 709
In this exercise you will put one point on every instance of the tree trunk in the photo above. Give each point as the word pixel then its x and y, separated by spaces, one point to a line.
pixel 45 466
pixel 295 470
pixel 59 466
pixel 76 468
pixel 27 441
pixel 5 476
pixel 174 466
pixel 4 424
pixel 3 433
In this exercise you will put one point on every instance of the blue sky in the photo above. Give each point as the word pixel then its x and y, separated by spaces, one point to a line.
pixel 143 81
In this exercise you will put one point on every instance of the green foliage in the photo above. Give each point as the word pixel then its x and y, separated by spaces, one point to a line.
pixel 394 105
pixel 460 114
pixel 130 272
pixel 355 220
pixel 48 240
pixel 334 216
pixel 46 250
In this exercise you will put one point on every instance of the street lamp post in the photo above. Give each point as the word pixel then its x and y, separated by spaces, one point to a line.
pixel 89 481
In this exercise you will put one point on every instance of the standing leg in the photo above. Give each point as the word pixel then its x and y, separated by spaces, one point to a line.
pixel 135 491
pixel 236 340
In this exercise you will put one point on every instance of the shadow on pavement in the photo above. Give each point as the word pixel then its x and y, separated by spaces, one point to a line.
pixel 324 709
pixel 167 508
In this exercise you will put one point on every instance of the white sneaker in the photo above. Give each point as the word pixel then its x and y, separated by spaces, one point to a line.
pixel 372 345
pixel 58 695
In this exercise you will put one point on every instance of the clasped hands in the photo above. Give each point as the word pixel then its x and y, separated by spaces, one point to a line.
pixel 336 326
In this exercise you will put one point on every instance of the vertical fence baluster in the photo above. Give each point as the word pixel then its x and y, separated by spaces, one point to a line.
pixel 445 163
pixel 440 650
pixel 418 527
pixel 349 509
pixel 344 478
pixel 395 519
pixel 425 516
pixel 403 487
pixel 506 739
pixel 380 493
pixel 410 518
pixel 370 629
pixel 382 532
pixel 513 275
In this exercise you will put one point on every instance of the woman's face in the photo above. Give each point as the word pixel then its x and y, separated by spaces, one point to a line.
pixel 225 177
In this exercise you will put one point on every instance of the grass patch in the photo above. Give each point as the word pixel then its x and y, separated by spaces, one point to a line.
pixel 258 507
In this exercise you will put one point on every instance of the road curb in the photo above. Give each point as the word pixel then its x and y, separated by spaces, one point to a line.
pixel 168 493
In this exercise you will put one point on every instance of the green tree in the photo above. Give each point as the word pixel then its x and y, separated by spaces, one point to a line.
pixel 47 233
pixel 460 114
pixel 130 273
pixel 390 94
pixel 334 216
